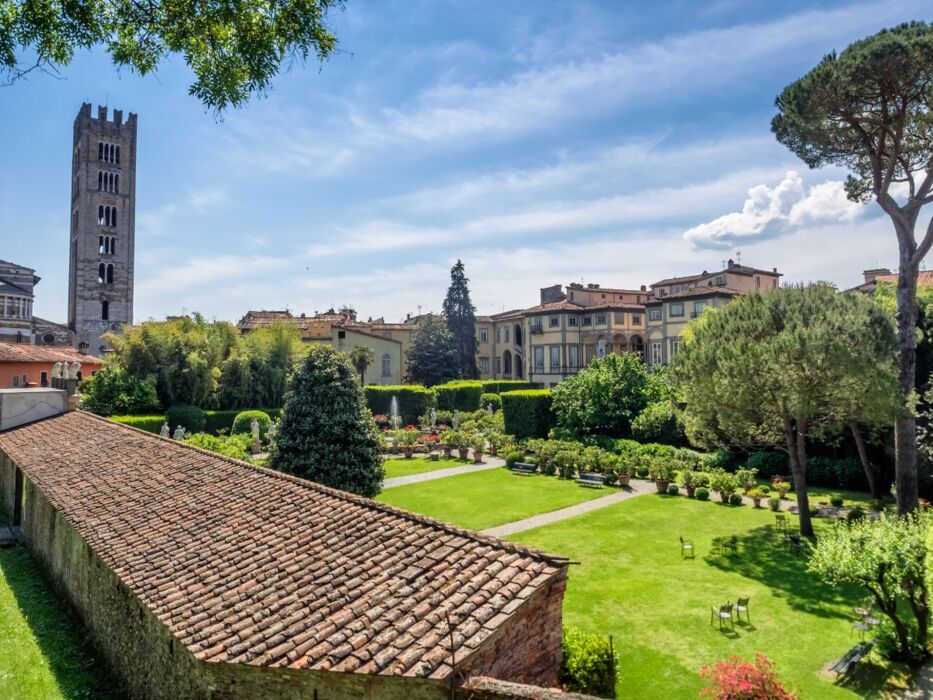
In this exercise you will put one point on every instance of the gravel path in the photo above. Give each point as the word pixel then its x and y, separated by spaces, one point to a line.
pixel 488 463
pixel 637 487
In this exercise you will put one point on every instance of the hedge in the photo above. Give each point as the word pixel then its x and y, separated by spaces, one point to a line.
pixel 243 423
pixel 459 396
pixel 151 424
pixel 493 400
pixel 497 387
pixel 527 413
pixel 414 401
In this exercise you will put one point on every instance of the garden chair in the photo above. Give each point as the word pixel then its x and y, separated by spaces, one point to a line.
pixel 722 613
pixel 862 627
pixel 686 548
pixel 731 543
pixel 741 606
pixel 780 522
pixel 865 609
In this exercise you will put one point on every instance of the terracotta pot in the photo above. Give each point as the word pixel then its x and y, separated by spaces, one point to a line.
pixel 464 452
pixel 691 490
pixel 447 450
pixel 662 484
pixel 747 488
pixel 624 479
pixel 757 502
pixel 477 456
pixel 434 456
pixel 409 453
pixel 782 493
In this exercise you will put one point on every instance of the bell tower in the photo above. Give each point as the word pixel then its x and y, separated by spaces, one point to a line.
pixel 103 226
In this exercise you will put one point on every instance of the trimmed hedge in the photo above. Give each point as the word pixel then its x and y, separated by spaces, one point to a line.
pixel 589 664
pixel 497 387
pixel 527 413
pixel 191 418
pixel 769 464
pixel 486 399
pixel 243 423
pixel 151 424
pixel 459 395
pixel 414 401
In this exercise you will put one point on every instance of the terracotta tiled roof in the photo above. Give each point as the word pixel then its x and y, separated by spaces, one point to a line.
pixel 734 269
pixel 696 292
pixel 24 352
pixel 247 565
pixel 924 278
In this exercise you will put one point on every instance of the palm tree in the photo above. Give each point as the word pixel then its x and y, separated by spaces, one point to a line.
pixel 362 357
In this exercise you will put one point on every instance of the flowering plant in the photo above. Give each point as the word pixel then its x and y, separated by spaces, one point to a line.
pixel 737 679
pixel 382 420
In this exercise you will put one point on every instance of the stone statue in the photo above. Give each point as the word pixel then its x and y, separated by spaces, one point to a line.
pixel 57 370
pixel 165 432
pixel 179 433
pixel 489 410
pixel 433 417
pixel 254 429
pixel 456 420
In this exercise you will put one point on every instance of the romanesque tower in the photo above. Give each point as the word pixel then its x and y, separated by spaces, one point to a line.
pixel 103 226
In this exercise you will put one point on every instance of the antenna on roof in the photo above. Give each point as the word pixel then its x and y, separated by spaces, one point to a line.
pixel 738 256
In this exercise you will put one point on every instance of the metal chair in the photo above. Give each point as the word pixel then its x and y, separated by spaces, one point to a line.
pixel 741 606
pixel 686 548
pixel 731 543
pixel 780 521
pixel 722 613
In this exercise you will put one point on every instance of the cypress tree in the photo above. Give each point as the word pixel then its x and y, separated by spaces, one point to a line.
pixel 461 321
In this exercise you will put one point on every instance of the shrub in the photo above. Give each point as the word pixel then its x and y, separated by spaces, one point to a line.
pixel 498 387
pixel 512 458
pixel 454 439
pixel 737 679
pixel 493 400
pixel 566 463
pixel 702 493
pixel 462 395
pixel 326 434
pixel 659 422
pixel 549 468
pixel 781 486
pixel 735 499
pixel 724 483
pixel 413 400
pixel 721 459
pixel 836 501
pixel 243 423
pixel 841 473
pixel 774 503
pixel 151 424
pixel 661 468
pixel 757 494
pixel 673 490
pixel 855 513
pixel 191 418
pixel 877 504
pixel 642 471
pixel 236 446
pixel 527 413
pixel 746 477
pixel 814 511
pixel 589 664
pixel 769 464
pixel 113 390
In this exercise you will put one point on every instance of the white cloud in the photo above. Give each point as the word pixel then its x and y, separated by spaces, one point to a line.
pixel 771 212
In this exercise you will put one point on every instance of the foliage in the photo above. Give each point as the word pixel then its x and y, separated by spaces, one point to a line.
pixel 217 422
pixel 693 479
pixel 737 679
pixel 513 458
pixel 746 477
pixel 768 463
pixel 735 499
pixel 326 433
pixel 776 369
pixel 673 489
pixel 527 413
pixel 589 664
pixel 604 397
pixel 243 422
pixel 836 501
pixel 461 320
pixel 757 494
pixel 461 395
pixel 888 557
pixel 774 503
pixel 151 424
pixel 499 386
pixel 724 483
pixel 566 461
pixel 855 513
pixel 235 446
pixel 702 493
pixel 454 439
pixel 432 356
pixel 886 296
pixel 112 390
pixel 413 401
pixel 659 422
pixel 406 438
pixel 662 468
pixel 234 50
pixel 361 357
pixel 191 418
pixel 491 400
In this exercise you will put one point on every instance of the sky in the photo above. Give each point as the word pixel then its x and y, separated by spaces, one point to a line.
pixel 616 143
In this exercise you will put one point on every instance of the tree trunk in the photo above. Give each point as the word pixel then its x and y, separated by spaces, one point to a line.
pixel 797 451
pixel 863 458
pixel 905 430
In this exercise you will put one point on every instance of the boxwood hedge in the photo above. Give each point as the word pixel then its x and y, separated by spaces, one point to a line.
pixel 414 401
pixel 527 413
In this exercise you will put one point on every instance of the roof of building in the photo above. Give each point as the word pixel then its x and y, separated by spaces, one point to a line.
pixel 26 352
pixel 695 292
pixel 10 288
pixel 924 278
pixel 732 268
pixel 251 566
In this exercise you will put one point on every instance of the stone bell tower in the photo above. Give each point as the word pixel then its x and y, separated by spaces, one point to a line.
pixel 103 226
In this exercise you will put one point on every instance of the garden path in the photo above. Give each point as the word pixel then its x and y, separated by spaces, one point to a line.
pixel 488 463
pixel 637 487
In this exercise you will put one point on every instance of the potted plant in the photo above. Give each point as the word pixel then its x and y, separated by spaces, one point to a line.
pixel 627 469
pixel 478 443
pixel 724 483
pixel 450 439
pixel 565 462
pixel 746 479
pixel 782 487
pixel 407 439
pixel 495 441
pixel 757 494
pixel 692 480
pixel 662 471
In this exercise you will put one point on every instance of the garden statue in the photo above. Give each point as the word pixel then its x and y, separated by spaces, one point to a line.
pixel 179 433
pixel 489 410
pixel 455 421
pixel 254 429
pixel 57 370
pixel 433 418
pixel 165 430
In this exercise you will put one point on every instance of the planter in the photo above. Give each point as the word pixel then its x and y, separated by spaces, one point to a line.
pixel 691 491
pixel 394 449
pixel 724 496
pixel 477 456
pixel 662 484
pixel 746 489
pixel 757 502
pixel 464 452
pixel 493 451
pixel 409 453
pixel 447 450
pixel 624 479
pixel 434 456
pixel 782 493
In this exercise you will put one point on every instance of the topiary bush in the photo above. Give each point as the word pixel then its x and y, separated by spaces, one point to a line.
pixel 589 664
pixel 243 423
pixel 735 499
pixel 642 471
pixel 673 490
pixel 497 387
pixel 774 503
pixel 151 424
pixel 855 513
pixel 836 501
pixel 463 395
pixel 414 400
pixel 513 458
pixel 326 433
pixel 191 418
pixel 493 400
pixel 527 413
pixel 702 494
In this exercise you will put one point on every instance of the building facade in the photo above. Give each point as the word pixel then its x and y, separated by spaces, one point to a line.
pixel 24 366
pixel 18 324
pixel 103 226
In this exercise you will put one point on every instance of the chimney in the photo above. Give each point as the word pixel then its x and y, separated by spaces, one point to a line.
pixel 731 263
pixel 644 288
pixel 871 275
pixel 21 406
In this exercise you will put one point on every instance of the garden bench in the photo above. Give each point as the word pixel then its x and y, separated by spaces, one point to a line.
pixel 851 658
pixel 591 479
pixel 522 468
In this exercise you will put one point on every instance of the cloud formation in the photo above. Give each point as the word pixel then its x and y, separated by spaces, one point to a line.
pixel 770 212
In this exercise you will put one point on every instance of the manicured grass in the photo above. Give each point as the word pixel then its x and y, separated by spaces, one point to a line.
pixel 488 498
pixel 399 466
pixel 44 653
pixel 632 583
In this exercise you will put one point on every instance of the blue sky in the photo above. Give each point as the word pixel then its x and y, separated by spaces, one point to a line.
pixel 541 142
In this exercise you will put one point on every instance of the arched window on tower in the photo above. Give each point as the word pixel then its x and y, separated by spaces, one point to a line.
pixel 110 274
pixel 101 273
pixel 116 183
pixel 113 216
pixel 118 155
pixel 100 180
pixel 101 244
pixel 100 215
pixel 100 150
pixel 113 245
pixel 105 310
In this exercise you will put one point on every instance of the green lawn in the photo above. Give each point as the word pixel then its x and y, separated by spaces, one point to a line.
pixel 633 584
pixel 43 650
pixel 488 498
pixel 399 466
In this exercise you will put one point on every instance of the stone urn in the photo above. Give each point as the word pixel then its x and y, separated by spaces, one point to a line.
pixel 447 450
pixel 464 452
pixel 691 491
pixel 409 452
pixel 477 456
pixel 662 484
pixel 624 479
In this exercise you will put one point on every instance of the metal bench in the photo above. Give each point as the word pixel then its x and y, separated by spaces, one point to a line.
pixel 523 468
pixel 591 479
pixel 851 658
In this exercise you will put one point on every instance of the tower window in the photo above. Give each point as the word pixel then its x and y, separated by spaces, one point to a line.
pixel 100 180
pixel 100 151
pixel 118 155
pixel 110 274
pixel 116 183
pixel 105 310
pixel 101 273
pixel 100 215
